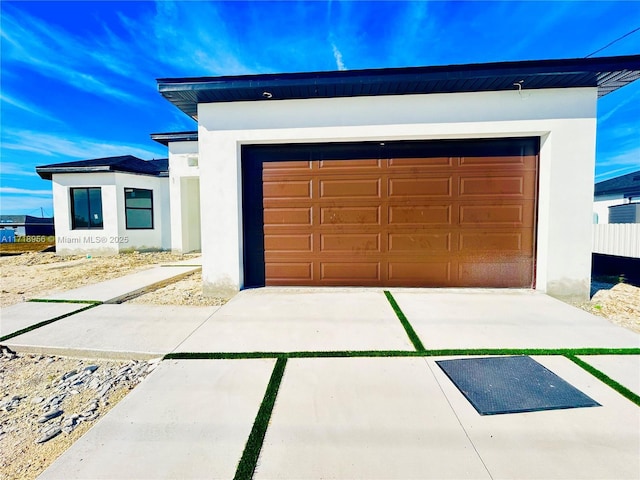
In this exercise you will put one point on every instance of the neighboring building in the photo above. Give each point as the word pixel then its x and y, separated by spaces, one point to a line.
pixel 23 225
pixel 110 205
pixel 465 175
pixel 616 235
pixel 612 196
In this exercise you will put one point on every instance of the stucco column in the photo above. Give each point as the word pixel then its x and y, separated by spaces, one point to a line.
pixel 221 213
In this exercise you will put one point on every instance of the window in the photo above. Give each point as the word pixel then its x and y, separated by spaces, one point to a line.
pixel 86 208
pixel 138 206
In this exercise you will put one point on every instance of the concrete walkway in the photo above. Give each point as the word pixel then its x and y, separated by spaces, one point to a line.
pixel 120 289
pixel 286 320
pixel 116 331
pixel 347 417
pixel 27 314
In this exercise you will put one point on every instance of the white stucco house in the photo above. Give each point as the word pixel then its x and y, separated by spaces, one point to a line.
pixel 622 190
pixel 119 204
pixel 452 176
pixel 109 205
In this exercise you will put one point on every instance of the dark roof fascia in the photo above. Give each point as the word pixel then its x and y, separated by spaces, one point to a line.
pixel 605 73
pixel 166 138
pixel 47 172
pixel 627 185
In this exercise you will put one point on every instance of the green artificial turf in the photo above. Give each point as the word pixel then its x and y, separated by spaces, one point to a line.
pixel 44 300
pixel 621 389
pixel 413 336
pixel 47 322
pixel 249 460
pixel 401 353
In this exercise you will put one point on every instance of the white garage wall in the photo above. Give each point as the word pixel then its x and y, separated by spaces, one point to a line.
pixel 563 118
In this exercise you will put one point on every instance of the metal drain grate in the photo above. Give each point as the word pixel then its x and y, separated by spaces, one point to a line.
pixel 498 385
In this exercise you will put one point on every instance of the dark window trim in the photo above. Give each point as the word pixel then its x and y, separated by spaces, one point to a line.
pixel 73 204
pixel 126 209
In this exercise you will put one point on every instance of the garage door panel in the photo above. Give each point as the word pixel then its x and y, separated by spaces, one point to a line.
pixel 420 215
pixel 491 241
pixel 423 273
pixel 420 164
pixel 287 216
pixel 350 242
pixel 340 165
pixel 353 272
pixel 350 216
pixel 420 187
pixel 288 243
pixel 292 189
pixel 292 166
pixel 503 186
pixel 498 274
pixel 420 243
pixel 501 214
pixel 350 188
pixel 502 162
pixel 283 273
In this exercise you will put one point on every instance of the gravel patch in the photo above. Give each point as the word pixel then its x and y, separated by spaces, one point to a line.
pixel 49 401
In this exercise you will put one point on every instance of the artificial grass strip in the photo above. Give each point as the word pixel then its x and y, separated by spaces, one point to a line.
pixel 46 322
pixel 413 336
pixel 401 353
pixel 621 389
pixel 249 460
pixel 44 300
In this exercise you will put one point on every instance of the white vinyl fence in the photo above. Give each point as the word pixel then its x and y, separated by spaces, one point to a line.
pixel 622 239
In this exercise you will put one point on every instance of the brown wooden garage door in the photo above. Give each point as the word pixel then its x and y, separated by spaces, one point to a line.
pixel 427 221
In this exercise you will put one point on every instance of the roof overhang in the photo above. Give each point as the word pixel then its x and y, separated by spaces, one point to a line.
pixel 167 138
pixel 47 172
pixel 606 73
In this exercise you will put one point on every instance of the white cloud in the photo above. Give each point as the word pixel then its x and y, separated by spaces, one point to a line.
pixel 628 100
pixel 338 57
pixel 57 54
pixel 28 107
pixel 9 168
pixel 23 191
pixel 72 146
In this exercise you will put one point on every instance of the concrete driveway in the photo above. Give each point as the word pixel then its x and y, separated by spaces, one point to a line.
pixel 311 383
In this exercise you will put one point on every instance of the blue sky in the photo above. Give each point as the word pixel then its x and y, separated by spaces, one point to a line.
pixel 78 78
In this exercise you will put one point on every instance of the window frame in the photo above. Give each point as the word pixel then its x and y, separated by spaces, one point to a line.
pixel 89 211
pixel 126 208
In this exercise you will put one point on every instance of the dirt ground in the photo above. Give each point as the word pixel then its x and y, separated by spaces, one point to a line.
pixel 25 378
pixel 30 275
pixel 619 304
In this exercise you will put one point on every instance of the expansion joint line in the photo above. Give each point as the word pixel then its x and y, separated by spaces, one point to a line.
pixel 621 389
pixel 47 322
pixel 249 460
pixel 411 333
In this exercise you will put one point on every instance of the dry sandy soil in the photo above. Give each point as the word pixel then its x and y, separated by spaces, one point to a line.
pixel 38 274
pixel 25 378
